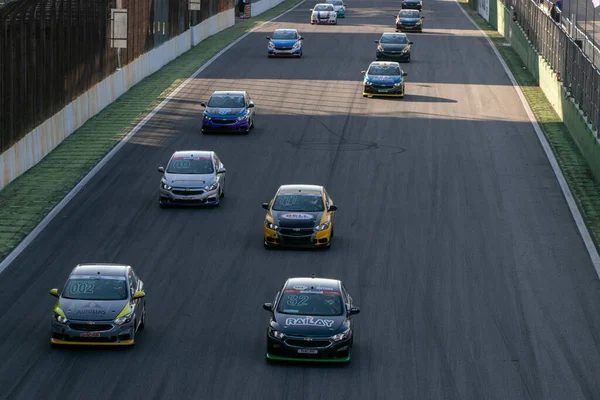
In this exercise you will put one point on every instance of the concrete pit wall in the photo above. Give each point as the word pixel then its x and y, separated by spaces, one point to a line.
pixel 259 7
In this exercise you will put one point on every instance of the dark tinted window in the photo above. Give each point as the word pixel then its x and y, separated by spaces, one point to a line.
pixel 190 165
pixel 284 35
pixel 227 101
pixel 385 70
pixel 311 302
pixel 298 202
pixel 396 39
pixel 96 288
pixel 409 14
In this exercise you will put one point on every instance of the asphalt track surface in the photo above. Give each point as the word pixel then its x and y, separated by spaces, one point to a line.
pixel 452 236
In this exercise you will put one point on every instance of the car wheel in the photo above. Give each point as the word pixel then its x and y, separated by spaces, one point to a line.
pixel 222 192
pixel 252 125
pixel 143 323
pixel 267 246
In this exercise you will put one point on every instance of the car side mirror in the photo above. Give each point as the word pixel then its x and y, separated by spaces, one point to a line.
pixel 332 207
pixel 54 292
pixel 265 206
pixel 363 72
pixel 404 74
pixel 161 170
pixel 354 311
pixel 139 294
pixel 411 42
pixel 251 105
pixel 423 17
pixel 377 41
pixel 203 104
pixel 311 9
pixel 268 38
pixel 268 306
pixel 300 38
pixel 221 171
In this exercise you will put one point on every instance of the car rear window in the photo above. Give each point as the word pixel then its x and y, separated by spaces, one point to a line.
pixel 227 101
pixel 95 288
pixel 316 302
pixel 298 202
pixel 190 165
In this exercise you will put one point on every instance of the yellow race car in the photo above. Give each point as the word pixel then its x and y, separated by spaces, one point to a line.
pixel 299 216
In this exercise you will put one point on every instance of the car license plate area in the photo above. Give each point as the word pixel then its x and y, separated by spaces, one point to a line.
pixel 89 334
pixel 308 351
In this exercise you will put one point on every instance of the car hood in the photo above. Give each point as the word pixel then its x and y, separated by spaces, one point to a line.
pixel 394 46
pixel 323 13
pixel 297 219
pixel 216 112
pixel 383 79
pixel 188 180
pixel 306 325
pixel 284 42
pixel 409 20
pixel 92 310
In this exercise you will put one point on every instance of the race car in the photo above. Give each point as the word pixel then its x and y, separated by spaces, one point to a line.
pixel 409 20
pixel 228 111
pixel 323 13
pixel 285 42
pixel 413 4
pixel 384 79
pixel 101 304
pixel 311 320
pixel 339 6
pixel 192 177
pixel 299 215
pixel 393 46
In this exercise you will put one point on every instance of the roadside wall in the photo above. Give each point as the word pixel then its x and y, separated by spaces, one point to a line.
pixel 42 140
pixel 259 7
pixel 500 18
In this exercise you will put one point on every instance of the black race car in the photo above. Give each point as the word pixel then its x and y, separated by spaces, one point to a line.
pixel 311 320
pixel 414 4
pixel 409 20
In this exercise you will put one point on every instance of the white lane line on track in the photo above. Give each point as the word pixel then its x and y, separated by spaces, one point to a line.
pixel 62 204
pixel 583 230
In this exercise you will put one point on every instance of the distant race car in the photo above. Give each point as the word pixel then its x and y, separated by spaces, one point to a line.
pixel 228 111
pixel 101 304
pixel 384 79
pixel 323 13
pixel 192 177
pixel 393 46
pixel 409 20
pixel 311 320
pixel 285 42
pixel 339 7
pixel 414 4
pixel 299 215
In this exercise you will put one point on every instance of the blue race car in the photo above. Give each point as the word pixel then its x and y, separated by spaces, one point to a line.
pixel 228 111
pixel 285 43
pixel 384 79
pixel 409 20
pixel 339 6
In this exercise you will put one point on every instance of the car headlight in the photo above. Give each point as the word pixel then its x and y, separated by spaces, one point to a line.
pixel 379 47
pixel 322 227
pixel 60 318
pixel 271 45
pixel 419 22
pixel 276 334
pixel 206 117
pixel 296 45
pixel 165 186
pixel 367 83
pixel 398 84
pixel 341 336
pixel 244 117
pixel 271 225
pixel 211 187
pixel 123 320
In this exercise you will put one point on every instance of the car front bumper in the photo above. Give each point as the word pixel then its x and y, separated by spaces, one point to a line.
pixel 79 332
pixel 412 6
pixel 285 53
pixel 313 239
pixel 177 196
pixel 341 13
pixel 383 91
pixel 281 350
pixel 225 125
pixel 409 28
pixel 386 55
pixel 327 21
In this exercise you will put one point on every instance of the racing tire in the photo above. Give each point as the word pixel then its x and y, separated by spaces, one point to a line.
pixel 143 323
pixel 222 194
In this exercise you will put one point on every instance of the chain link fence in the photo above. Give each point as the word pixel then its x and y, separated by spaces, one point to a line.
pixel 52 51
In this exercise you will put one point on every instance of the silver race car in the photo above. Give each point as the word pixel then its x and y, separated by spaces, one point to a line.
pixel 192 177
pixel 101 304
pixel 323 13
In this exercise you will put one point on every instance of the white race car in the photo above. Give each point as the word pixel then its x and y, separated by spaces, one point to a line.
pixel 323 13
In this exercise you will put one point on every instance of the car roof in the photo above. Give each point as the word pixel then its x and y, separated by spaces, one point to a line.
pixel 101 269
pixel 300 188
pixel 311 283
pixel 190 153
pixel 384 63
pixel 230 92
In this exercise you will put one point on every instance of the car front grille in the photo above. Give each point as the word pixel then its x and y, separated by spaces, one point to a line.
pixel 91 328
pixel 188 192
pixel 224 121
pixel 283 48
pixel 308 343
pixel 383 86
pixel 296 231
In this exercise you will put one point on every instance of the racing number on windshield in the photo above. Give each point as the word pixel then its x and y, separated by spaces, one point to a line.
pixel 82 288
pixel 294 300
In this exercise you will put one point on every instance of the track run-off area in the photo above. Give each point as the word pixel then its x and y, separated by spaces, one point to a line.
pixel 452 235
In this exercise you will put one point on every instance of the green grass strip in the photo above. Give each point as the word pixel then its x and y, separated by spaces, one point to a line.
pixel 29 198
pixel 576 170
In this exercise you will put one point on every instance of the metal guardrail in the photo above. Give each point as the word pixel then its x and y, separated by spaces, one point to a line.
pixel 587 45
pixel 571 63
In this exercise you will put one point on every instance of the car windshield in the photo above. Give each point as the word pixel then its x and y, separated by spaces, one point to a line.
pixel 386 70
pixel 323 7
pixel 312 302
pixel 336 2
pixel 298 202
pixel 96 288
pixel 284 35
pixel 396 39
pixel 227 101
pixel 190 165
pixel 409 14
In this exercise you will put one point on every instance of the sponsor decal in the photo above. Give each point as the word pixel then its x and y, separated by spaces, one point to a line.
pixel 224 111
pixel 297 216
pixel 91 309
pixel 309 321
pixel 300 287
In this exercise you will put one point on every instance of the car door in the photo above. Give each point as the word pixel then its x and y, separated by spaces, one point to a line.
pixel 328 203
pixel 135 303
